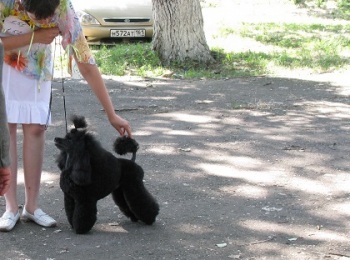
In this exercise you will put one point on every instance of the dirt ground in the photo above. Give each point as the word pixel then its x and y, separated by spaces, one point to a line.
pixel 246 168
pixel 249 168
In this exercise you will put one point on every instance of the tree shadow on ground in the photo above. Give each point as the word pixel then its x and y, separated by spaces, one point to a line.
pixel 243 168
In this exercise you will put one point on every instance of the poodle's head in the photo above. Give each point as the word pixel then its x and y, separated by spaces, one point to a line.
pixel 74 156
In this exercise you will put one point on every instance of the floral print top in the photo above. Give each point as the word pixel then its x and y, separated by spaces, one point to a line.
pixel 35 60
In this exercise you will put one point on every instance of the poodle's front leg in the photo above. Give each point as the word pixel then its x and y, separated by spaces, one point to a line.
pixel 69 206
pixel 84 216
pixel 70 188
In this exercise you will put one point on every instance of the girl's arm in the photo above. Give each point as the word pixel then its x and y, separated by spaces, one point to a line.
pixel 45 36
pixel 93 77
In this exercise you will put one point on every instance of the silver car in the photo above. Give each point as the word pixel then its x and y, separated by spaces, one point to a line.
pixel 111 21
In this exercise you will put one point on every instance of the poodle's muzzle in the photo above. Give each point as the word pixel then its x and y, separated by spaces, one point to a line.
pixel 62 143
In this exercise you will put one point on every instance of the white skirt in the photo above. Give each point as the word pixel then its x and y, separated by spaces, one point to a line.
pixel 27 101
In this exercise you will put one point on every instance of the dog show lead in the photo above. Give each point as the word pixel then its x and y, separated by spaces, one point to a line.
pixel 28 27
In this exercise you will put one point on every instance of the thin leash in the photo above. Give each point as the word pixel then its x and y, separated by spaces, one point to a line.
pixel 63 90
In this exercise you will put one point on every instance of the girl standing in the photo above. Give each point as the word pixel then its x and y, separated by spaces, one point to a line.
pixel 28 27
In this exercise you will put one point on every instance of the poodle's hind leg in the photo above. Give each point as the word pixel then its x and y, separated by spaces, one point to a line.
pixel 84 217
pixel 119 200
pixel 143 205
pixel 69 206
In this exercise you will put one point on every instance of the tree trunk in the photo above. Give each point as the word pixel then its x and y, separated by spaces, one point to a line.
pixel 178 32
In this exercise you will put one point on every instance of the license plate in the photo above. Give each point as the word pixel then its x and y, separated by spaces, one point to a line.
pixel 128 33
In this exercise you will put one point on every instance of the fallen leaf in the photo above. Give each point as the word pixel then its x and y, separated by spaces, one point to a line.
pixel 185 149
pixel 271 209
pixel 113 224
pixel 168 74
pixel 221 245
pixel 294 147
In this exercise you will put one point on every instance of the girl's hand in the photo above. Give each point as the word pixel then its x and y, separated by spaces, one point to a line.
pixel 5 174
pixel 45 35
pixel 121 125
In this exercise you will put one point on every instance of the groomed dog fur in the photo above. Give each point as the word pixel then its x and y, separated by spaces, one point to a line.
pixel 90 173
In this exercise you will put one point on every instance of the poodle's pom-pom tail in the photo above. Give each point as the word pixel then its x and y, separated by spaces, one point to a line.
pixel 124 145
pixel 79 121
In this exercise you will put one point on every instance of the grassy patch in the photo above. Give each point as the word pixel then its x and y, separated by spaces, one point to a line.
pixel 342 10
pixel 315 46
pixel 140 60
pixel 128 59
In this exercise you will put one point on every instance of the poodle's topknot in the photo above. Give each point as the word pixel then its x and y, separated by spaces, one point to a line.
pixel 79 121
pixel 124 145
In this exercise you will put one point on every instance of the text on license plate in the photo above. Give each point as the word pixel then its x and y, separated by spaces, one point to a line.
pixel 128 33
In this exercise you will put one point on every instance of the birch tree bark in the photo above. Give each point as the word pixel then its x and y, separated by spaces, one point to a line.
pixel 178 32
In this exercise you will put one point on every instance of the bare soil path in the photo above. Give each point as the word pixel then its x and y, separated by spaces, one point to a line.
pixel 248 168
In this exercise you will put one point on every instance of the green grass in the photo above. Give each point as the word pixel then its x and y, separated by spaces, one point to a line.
pixel 133 59
pixel 294 46
pixel 313 46
pixel 317 47
pixel 342 10
pixel 140 60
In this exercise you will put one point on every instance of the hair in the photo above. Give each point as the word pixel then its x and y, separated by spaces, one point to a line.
pixel 42 9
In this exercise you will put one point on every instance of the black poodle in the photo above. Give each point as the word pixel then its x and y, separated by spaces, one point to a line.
pixel 90 173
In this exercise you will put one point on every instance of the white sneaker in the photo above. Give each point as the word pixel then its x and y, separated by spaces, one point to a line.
pixel 8 221
pixel 39 217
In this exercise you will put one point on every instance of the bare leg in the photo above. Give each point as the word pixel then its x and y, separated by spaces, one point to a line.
pixel 33 153
pixel 11 194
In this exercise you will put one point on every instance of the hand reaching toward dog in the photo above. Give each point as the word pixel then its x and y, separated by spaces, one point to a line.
pixel 92 75
pixel 121 125
pixel 5 174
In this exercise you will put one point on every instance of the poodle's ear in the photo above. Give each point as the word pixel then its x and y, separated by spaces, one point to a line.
pixel 81 170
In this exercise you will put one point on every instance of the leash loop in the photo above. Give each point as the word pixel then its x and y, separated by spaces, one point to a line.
pixel 63 93
pixel 62 86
